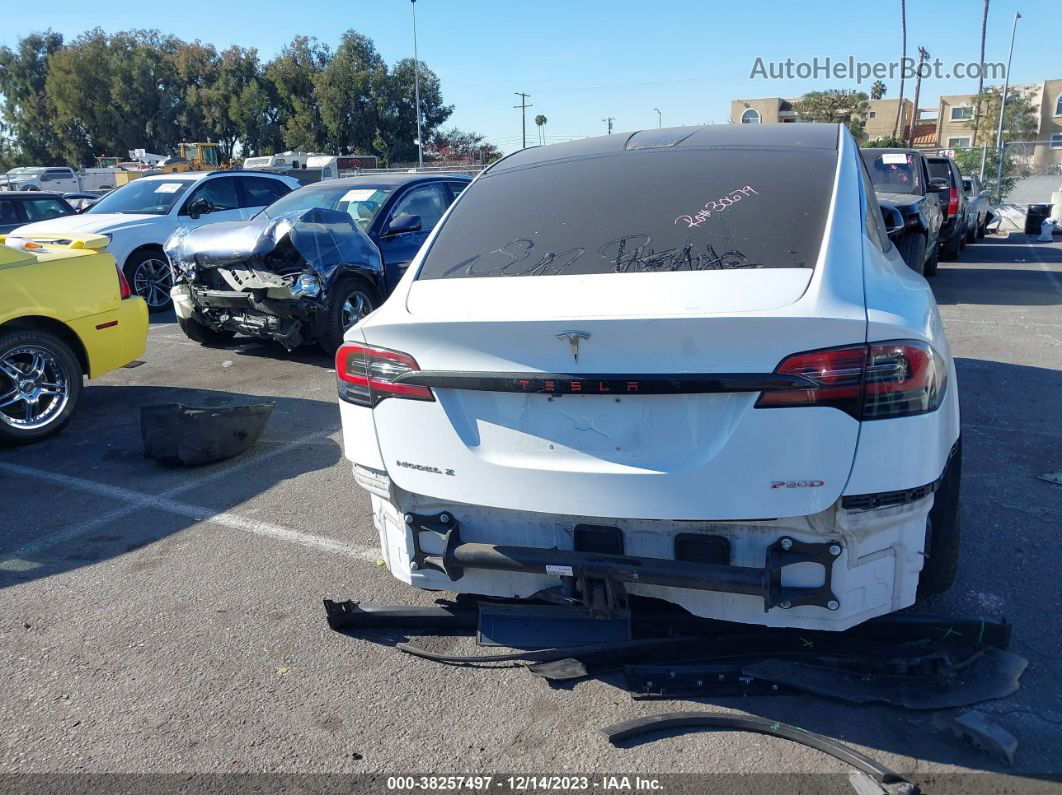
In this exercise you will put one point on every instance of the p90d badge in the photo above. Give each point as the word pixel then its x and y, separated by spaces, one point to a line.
pixel 796 484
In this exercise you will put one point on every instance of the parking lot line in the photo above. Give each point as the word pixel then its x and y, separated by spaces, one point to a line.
pixel 136 500
pixel 1051 275
pixel 67 533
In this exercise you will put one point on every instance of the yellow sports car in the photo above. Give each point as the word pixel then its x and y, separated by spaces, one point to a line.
pixel 65 312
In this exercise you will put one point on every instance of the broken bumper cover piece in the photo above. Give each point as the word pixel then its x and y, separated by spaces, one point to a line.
pixel 192 435
pixel 765 582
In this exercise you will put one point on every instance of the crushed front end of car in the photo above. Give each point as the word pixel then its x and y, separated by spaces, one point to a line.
pixel 268 278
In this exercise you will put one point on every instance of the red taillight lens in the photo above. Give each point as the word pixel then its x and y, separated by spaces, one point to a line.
pixel 367 374
pixel 123 285
pixel 953 201
pixel 878 381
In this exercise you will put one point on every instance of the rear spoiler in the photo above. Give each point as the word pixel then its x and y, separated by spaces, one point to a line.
pixel 35 242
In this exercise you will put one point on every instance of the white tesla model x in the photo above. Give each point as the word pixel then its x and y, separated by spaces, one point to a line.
pixel 682 363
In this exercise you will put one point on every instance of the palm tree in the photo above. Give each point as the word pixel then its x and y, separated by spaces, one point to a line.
pixel 877 91
pixel 541 120
pixel 980 77
pixel 903 61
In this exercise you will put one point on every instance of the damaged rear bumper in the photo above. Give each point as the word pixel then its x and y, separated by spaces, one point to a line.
pixel 765 582
pixel 514 554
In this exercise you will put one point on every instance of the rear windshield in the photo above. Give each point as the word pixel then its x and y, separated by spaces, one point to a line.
pixel 643 211
pixel 893 172
pixel 940 168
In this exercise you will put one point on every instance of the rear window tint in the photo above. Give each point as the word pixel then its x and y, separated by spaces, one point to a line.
pixel 940 168
pixel 642 211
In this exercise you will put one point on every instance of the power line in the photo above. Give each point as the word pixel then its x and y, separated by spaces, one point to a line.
pixel 523 106
pixel 608 120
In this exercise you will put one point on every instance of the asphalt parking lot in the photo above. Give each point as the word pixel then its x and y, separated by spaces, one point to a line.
pixel 170 620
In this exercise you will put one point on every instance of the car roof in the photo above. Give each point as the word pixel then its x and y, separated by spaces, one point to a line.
pixel 30 194
pixel 737 136
pixel 904 150
pixel 387 180
pixel 183 176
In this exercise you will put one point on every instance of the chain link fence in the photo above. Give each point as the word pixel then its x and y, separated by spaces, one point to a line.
pixel 1031 171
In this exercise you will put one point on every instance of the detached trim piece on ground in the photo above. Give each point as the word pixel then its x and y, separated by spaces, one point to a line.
pixel 886 779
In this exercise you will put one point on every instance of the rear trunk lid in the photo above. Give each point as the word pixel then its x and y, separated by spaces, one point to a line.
pixel 619 378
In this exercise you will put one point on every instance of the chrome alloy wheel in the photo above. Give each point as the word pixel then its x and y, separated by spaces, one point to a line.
pixel 34 387
pixel 153 280
pixel 355 308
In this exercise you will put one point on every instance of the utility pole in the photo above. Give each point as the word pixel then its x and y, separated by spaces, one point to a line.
pixel 1003 107
pixel 416 87
pixel 923 57
pixel 523 106
pixel 659 118
pixel 608 120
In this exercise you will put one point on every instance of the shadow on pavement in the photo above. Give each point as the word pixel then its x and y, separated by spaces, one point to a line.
pixel 52 521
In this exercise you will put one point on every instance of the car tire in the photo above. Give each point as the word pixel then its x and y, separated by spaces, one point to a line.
pixel 150 276
pixel 930 268
pixel 982 228
pixel 202 333
pixel 942 531
pixel 349 300
pixel 912 247
pixel 950 248
pixel 60 371
pixel 971 233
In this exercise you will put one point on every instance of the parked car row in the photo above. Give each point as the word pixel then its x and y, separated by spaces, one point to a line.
pixel 931 210
pixel 619 365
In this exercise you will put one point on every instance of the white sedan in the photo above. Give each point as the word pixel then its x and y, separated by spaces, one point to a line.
pixel 140 216
pixel 685 364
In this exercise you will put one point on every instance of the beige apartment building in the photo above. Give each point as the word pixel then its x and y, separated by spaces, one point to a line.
pixel 943 127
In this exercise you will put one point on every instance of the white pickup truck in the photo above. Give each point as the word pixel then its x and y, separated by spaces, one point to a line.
pixel 59 179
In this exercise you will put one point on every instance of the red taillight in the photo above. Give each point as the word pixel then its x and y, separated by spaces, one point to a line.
pixel 953 201
pixel 123 285
pixel 878 381
pixel 367 374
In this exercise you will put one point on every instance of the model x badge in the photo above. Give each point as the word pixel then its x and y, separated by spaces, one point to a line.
pixel 573 338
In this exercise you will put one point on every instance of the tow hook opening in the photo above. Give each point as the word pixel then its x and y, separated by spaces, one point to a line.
pixel 599 577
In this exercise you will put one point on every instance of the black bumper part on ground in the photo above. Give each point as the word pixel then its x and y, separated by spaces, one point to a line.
pixel 766 582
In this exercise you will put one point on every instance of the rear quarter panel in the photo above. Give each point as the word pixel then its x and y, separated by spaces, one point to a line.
pixel 908 451
pixel 80 290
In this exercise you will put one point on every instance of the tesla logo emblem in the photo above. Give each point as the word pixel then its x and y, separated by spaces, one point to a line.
pixel 573 338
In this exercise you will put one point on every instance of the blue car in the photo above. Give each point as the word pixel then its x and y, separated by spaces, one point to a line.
pixel 311 264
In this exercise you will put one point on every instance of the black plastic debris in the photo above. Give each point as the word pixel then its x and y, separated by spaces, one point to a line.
pixel 887 780
pixel 987 674
pixel 176 434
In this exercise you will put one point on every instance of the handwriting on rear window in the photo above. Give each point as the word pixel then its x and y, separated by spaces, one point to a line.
pixel 713 206
pixel 627 254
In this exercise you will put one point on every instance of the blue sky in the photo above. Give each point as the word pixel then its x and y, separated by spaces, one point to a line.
pixel 583 60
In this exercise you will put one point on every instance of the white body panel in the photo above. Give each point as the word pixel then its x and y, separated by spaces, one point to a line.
pixel 528 467
pixel 130 232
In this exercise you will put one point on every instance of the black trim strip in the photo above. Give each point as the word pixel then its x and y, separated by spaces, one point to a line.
pixel 888 499
pixel 602 383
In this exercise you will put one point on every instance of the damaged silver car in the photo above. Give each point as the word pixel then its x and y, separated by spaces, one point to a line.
pixel 306 276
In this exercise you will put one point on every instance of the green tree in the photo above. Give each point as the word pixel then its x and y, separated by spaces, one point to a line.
pixel 540 122
pixel 350 93
pixel 238 70
pixel 256 112
pixel 398 123
pixel 115 93
pixel 1019 118
pixel 835 106
pixel 196 68
pixel 885 142
pixel 878 90
pixel 28 116
pixel 454 145
pixel 294 75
